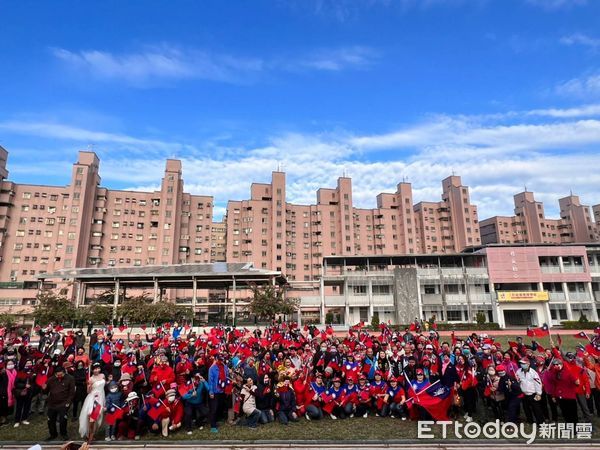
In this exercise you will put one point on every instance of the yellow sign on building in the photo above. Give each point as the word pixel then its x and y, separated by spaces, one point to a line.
pixel 523 296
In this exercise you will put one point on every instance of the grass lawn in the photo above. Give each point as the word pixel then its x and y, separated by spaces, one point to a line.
pixel 371 428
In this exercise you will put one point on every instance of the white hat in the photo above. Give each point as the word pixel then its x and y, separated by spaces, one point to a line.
pixel 132 396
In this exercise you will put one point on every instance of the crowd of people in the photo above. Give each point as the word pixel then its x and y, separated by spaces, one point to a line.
pixel 171 379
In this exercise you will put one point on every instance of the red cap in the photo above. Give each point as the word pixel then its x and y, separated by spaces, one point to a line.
pixel 500 368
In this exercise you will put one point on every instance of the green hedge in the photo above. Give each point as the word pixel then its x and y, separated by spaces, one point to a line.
pixel 443 326
pixel 578 325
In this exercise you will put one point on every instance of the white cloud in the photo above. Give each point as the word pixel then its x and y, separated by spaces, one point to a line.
pixel 554 5
pixel 581 39
pixel 339 59
pixel 168 63
pixel 551 155
pixel 583 87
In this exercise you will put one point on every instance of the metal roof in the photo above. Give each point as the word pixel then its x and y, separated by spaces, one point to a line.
pixel 207 270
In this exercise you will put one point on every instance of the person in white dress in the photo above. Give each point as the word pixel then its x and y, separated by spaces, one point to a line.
pixel 88 424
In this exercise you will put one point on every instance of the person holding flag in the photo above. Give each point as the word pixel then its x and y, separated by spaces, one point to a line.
pixel 114 410
pixel 91 414
pixel 394 400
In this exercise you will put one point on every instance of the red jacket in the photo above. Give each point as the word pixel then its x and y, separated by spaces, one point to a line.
pixel 564 384
pixel 579 373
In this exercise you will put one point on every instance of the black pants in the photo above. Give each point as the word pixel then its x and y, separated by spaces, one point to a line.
pixel 57 413
pixel 216 406
pixel 568 407
pixel 191 412
pixel 23 408
pixel 513 407
pixel 470 400
pixel 533 409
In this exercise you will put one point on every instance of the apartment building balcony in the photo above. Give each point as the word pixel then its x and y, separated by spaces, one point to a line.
pixel 431 299
pixel 597 295
pixel 595 268
pixel 579 296
pixel 557 296
pixel 452 271
pixel 456 298
pixel 430 272
pixel 310 300
pixel 383 300
pixel 574 269
pixel 4 222
pixel 358 300
pixel 481 297
pixel 335 300
pixel 550 269
pixel 477 271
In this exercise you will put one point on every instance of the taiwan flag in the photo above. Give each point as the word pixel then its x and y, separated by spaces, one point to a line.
pixel 581 335
pixel 113 415
pixel 436 400
pixel 41 377
pixel 107 355
pixel 536 332
pixel 96 410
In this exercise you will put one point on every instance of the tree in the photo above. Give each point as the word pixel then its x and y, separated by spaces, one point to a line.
pixel 96 313
pixel 7 320
pixel 375 320
pixel 55 308
pixel 140 309
pixel 480 318
pixel 268 301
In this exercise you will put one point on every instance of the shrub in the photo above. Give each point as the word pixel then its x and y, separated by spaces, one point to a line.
pixel 579 324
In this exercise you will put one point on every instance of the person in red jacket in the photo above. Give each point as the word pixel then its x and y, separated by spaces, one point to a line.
pixel 564 390
pixel 583 389
pixel 162 372
pixel 175 406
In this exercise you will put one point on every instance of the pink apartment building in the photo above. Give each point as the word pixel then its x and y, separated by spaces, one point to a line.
pixel 46 228
pixel 293 239
pixel 530 225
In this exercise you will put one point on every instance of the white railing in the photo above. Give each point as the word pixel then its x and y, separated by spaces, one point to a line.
pixel 383 300
pixel 451 271
pixel 431 299
pixel 310 300
pixel 574 269
pixel 335 300
pixel 477 271
pixel 550 269
pixel 456 297
pixel 595 268
pixel 428 272
pixel 579 296
pixel 556 295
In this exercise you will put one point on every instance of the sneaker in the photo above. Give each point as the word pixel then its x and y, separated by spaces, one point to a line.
pixel 113 438
pixel 468 418
pixel 403 418
pixel 392 416
pixel 377 415
pixel 64 437
pixel 332 416
pixel 137 437
pixel 351 415
pixel 189 433
pixel 25 422
pixel 17 425
pixel 107 438
pixel 307 416
pixel 366 415
pixel 201 427
pixel 214 430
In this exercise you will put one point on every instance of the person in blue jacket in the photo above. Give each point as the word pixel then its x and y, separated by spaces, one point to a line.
pixel 194 404
pixel 218 376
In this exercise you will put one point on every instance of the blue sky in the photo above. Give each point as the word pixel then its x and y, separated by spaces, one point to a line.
pixel 504 93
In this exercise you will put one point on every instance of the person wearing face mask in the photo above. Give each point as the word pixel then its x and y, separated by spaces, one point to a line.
pixel 61 390
pixel 80 355
pixel 114 402
pixel 512 393
pixel 176 411
pixel 448 373
pixel 494 393
pixel 80 377
pixel 248 395
pixel 531 386
pixel 265 400
pixel 564 390
pixel 23 391
pixel 7 383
